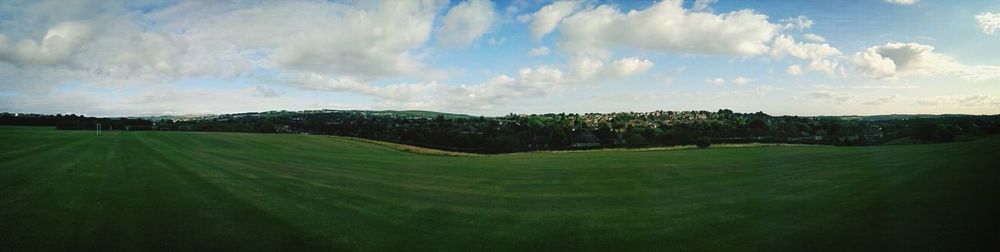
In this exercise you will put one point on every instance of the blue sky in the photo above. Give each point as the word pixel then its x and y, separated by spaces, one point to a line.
pixel 121 58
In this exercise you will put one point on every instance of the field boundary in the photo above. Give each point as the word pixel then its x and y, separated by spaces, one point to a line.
pixel 438 152
pixel 676 147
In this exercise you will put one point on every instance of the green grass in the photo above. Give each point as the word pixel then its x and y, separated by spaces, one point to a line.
pixel 905 141
pixel 71 190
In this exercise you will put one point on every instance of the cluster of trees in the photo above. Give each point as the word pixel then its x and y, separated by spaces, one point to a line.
pixel 946 129
pixel 513 133
pixel 74 122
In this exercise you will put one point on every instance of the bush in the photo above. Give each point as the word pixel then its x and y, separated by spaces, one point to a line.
pixel 703 143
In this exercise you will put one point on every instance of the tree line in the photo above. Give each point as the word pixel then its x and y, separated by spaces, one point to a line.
pixel 515 133
pixel 75 122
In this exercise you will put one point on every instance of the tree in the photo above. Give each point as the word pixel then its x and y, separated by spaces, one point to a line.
pixel 634 136
pixel 605 134
pixel 559 138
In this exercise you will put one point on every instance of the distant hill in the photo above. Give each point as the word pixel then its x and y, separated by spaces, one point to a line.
pixel 401 113
pixel 893 117
pixel 428 114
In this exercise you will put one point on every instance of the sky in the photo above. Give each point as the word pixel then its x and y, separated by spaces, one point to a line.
pixel 482 57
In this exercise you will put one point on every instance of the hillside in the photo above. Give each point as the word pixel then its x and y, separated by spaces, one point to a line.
pixel 427 114
pixel 72 190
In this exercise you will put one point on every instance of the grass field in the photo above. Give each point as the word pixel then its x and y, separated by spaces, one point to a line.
pixel 71 190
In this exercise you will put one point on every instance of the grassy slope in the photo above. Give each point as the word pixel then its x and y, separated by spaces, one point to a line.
pixel 69 190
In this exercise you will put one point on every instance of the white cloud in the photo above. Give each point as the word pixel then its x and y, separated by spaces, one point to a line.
pixel 595 32
pixel 502 89
pixel 796 23
pixel 872 63
pixel 539 51
pixel 911 56
pixel 548 17
pixel 821 57
pixel 59 44
pixel 587 68
pixel 127 54
pixel 365 41
pixel 466 22
pixel 813 38
pixel 107 44
pixel 794 70
pixel 901 2
pixel 402 92
pixel 740 81
pixel 541 77
pixel 629 66
pixel 666 26
pixel 528 83
pixel 989 22
pixel 892 60
pixel 703 5
pixel 320 82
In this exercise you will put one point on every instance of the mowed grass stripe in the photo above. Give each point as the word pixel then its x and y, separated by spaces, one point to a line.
pixel 256 184
pixel 376 202
pixel 185 190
